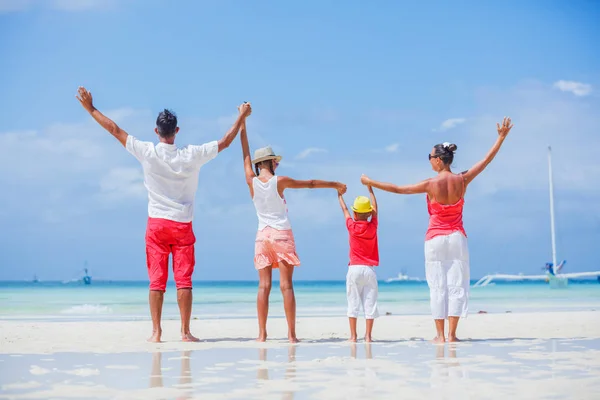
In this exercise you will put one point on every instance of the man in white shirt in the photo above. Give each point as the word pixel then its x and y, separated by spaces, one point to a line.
pixel 171 178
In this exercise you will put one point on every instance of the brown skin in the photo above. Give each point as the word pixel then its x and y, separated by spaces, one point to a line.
pixel 359 217
pixel 285 271
pixel 446 188
pixel 184 295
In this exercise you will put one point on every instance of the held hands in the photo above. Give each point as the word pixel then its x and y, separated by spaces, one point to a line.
pixel 505 127
pixel 85 98
pixel 365 180
pixel 245 109
pixel 341 189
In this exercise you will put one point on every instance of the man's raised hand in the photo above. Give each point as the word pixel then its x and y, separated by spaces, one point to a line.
pixel 85 98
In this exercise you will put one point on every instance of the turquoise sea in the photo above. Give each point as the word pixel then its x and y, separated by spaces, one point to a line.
pixel 113 300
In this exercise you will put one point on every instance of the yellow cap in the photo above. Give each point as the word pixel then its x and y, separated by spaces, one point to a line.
pixel 362 204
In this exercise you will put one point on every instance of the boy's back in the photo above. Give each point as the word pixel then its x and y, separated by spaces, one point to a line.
pixel 364 249
pixel 361 279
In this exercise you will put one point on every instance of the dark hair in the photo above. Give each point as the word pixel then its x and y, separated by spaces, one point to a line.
pixel 264 164
pixel 166 123
pixel 445 153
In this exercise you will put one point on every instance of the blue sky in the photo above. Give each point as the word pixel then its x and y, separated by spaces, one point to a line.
pixel 338 88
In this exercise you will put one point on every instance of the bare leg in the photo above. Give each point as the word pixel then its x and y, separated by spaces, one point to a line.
pixel 368 337
pixel 262 301
pixel 155 299
pixel 184 300
pixel 452 325
pixel 439 327
pixel 353 334
pixel 289 300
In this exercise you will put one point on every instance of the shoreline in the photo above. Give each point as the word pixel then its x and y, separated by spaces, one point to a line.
pixel 46 337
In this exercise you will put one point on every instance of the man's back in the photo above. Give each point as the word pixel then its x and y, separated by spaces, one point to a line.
pixel 171 176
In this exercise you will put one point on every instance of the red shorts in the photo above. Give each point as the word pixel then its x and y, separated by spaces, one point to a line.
pixel 164 237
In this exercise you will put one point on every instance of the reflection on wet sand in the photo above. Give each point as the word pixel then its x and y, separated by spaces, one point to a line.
pixel 262 372
pixel 368 350
pixel 446 370
pixel 185 379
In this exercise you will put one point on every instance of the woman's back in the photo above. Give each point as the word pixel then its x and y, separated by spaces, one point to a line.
pixel 446 188
pixel 445 203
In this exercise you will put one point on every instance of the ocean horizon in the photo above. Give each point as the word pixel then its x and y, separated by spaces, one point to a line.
pixel 128 300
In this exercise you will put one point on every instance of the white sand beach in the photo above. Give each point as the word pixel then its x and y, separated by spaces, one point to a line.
pixel 116 337
pixel 521 355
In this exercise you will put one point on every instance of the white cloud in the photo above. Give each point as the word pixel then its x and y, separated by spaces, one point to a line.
pixel 577 88
pixel 122 183
pixel 451 123
pixel 392 148
pixel 307 152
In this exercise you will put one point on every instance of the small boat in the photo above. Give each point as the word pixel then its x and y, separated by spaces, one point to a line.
pixel 35 279
pixel 87 279
pixel 402 277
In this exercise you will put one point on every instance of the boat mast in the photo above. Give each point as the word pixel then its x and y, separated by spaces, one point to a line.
pixel 552 208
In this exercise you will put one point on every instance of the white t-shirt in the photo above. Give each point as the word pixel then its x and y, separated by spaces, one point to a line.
pixel 271 208
pixel 171 175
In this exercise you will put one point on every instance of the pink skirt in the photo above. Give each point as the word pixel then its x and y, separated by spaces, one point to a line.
pixel 273 246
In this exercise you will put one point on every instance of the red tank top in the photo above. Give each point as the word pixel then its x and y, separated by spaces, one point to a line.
pixel 445 219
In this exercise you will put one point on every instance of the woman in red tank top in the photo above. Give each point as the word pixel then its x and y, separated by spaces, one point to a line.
pixel 446 251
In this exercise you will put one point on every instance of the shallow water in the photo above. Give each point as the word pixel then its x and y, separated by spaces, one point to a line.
pixel 128 300
pixel 533 368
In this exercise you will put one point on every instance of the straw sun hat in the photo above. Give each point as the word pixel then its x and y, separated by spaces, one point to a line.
pixel 264 154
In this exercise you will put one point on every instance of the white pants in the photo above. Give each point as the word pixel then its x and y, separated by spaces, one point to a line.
pixel 448 275
pixel 361 290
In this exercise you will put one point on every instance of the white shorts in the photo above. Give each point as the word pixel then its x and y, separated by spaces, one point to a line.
pixel 448 275
pixel 361 291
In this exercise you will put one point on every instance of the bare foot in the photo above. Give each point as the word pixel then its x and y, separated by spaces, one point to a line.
pixel 188 337
pixel 453 339
pixel 293 339
pixel 262 337
pixel 352 339
pixel 368 339
pixel 155 338
pixel 438 340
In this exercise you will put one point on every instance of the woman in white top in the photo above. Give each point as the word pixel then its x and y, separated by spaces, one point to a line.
pixel 274 246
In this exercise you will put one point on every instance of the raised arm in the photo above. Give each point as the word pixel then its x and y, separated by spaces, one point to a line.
pixel 227 139
pixel 343 205
pixel 246 155
pixel 85 98
pixel 421 187
pixel 503 130
pixel 286 182
pixel 373 199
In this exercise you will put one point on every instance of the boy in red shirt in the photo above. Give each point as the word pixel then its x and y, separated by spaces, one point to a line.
pixel 361 280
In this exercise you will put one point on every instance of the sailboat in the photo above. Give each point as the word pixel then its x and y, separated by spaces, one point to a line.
pixel 87 279
pixel 552 276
